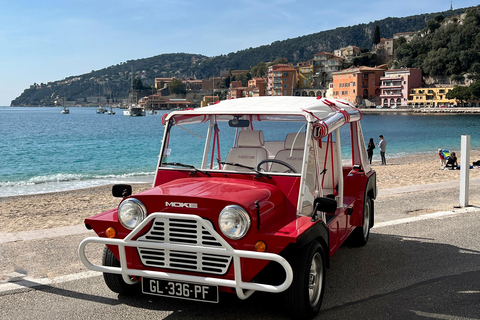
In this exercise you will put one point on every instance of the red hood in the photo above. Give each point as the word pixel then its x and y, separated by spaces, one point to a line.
pixel 232 191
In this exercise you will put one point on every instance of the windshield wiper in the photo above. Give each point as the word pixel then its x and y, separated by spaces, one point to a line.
pixel 244 166
pixel 178 164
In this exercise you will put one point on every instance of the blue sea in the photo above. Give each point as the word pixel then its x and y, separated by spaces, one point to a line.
pixel 43 151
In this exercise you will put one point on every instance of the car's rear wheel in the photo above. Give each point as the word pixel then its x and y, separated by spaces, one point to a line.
pixel 305 295
pixel 359 236
pixel 115 282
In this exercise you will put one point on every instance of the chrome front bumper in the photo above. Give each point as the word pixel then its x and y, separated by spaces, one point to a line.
pixel 216 246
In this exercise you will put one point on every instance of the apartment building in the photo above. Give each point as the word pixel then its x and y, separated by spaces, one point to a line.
pixel 305 75
pixel 258 87
pixel 430 97
pixel 396 84
pixel 348 53
pixel 357 84
pixel 324 64
pixel 282 79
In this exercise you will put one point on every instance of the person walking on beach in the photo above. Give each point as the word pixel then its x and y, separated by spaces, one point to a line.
pixel 370 147
pixel 383 146
pixel 442 158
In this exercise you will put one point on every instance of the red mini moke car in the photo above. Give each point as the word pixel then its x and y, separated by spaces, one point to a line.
pixel 250 194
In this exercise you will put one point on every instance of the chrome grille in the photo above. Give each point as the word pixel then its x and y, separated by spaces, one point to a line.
pixel 182 232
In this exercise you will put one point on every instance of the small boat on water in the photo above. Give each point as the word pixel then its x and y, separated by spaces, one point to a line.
pixel 153 111
pixel 101 110
pixel 65 110
pixel 111 112
pixel 134 111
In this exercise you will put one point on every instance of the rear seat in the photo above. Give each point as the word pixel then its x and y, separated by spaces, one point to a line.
pixel 249 150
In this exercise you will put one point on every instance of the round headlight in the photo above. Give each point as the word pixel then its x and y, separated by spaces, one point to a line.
pixel 234 222
pixel 131 212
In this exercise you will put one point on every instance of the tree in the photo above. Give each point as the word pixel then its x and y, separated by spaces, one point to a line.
pixel 176 86
pixel 243 77
pixel 376 36
pixel 475 90
pixel 461 93
pixel 260 70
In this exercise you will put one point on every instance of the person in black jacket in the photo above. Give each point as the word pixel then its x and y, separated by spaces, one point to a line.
pixel 370 147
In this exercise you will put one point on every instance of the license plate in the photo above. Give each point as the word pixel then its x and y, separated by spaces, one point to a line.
pixel 182 290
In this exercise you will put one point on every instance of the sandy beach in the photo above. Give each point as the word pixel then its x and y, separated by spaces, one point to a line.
pixel 45 211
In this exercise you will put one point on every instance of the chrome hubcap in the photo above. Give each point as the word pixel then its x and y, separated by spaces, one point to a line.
pixel 315 279
pixel 366 220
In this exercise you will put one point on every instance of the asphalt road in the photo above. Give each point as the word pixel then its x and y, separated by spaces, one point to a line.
pixel 427 267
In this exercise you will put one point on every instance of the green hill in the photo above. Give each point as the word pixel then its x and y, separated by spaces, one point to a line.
pixel 115 81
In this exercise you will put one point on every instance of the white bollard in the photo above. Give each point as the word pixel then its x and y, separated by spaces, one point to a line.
pixel 464 170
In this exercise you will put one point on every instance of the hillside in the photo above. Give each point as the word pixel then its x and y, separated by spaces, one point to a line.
pixel 114 81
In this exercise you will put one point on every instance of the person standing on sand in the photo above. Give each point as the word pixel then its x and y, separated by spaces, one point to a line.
pixel 383 146
pixel 370 147
pixel 442 158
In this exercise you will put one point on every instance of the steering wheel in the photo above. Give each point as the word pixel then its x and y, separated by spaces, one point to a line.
pixel 283 163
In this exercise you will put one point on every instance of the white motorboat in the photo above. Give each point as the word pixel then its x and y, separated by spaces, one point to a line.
pixel 134 111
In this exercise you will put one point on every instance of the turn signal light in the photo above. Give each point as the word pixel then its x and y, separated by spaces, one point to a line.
pixel 260 246
pixel 111 232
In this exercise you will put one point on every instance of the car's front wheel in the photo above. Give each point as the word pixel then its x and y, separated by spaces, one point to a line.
pixel 305 295
pixel 115 282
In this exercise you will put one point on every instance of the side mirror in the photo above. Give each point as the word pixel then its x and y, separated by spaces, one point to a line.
pixel 325 205
pixel 121 190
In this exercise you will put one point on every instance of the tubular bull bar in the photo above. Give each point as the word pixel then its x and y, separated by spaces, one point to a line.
pixel 243 289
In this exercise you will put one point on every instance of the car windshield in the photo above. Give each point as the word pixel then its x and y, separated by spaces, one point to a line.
pixel 237 143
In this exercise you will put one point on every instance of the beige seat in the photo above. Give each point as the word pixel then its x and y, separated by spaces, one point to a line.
pixel 292 156
pixel 249 151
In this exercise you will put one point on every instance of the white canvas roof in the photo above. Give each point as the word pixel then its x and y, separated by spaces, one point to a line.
pixel 320 108
pixel 331 113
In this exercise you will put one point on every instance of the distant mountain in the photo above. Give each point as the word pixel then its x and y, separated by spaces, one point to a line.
pixel 114 82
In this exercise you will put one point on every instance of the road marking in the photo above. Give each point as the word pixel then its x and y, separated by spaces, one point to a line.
pixel 31 283
pixel 440 316
pixel 435 215
pixel 6 237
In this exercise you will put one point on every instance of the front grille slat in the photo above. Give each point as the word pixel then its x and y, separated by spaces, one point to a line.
pixel 182 232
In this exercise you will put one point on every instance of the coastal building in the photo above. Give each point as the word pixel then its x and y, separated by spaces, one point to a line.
pixel 396 84
pixel 305 75
pixel 258 87
pixel 431 97
pixel 208 100
pixel 190 84
pixel 348 53
pixel 324 64
pixel 358 85
pixel 213 83
pixel 282 80
pixel 157 102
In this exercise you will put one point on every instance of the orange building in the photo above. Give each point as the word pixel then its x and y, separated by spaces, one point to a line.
pixel 357 84
pixel 259 87
pixel 282 79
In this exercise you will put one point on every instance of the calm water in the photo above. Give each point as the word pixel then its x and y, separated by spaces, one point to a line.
pixel 42 150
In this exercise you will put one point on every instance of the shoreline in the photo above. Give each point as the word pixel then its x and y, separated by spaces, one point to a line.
pixel 453 110
pixel 68 208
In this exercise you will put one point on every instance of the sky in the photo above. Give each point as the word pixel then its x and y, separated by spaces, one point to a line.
pixel 49 40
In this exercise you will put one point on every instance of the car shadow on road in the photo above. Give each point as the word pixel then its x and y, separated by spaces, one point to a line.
pixel 53 289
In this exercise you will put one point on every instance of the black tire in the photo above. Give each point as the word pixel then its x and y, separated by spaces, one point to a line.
pixel 115 281
pixel 359 236
pixel 305 294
